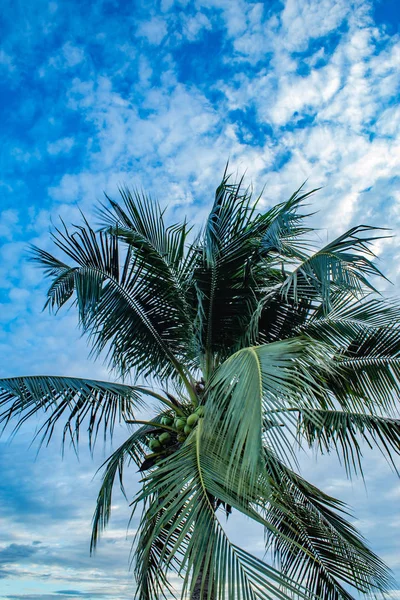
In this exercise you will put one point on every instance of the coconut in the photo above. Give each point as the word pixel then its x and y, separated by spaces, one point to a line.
pixel 164 438
pixel 181 438
pixel 187 429
pixel 180 424
pixel 154 444
pixel 167 421
pixel 192 419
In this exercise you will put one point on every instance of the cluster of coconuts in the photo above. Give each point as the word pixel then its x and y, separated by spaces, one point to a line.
pixel 182 426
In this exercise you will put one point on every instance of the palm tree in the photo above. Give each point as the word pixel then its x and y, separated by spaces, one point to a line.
pixel 252 344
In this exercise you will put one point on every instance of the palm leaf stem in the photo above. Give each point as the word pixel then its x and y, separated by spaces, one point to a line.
pixel 175 407
pixel 188 383
pixel 203 587
pixel 151 424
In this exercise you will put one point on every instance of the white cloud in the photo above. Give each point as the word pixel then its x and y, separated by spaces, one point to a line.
pixel 388 122
pixel 234 13
pixel 73 54
pixel 194 25
pixel 302 21
pixel 68 189
pixel 24 156
pixel 61 146
pixel 303 94
pixel 154 30
pixel 8 223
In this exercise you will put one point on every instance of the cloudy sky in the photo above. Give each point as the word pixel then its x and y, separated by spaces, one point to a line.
pixel 158 95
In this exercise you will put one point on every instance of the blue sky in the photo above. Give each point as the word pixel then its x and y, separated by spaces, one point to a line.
pixel 159 95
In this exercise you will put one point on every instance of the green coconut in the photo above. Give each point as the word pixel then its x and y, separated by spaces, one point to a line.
pixel 167 421
pixel 187 429
pixel 192 419
pixel 154 444
pixel 164 438
pixel 200 411
pixel 180 424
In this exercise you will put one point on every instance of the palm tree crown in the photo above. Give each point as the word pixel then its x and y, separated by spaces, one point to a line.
pixel 252 342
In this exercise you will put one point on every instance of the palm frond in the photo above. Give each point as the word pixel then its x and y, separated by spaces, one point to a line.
pixel 127 310
pixel 139 221
pixel 344 265
pixel 75 402
pixel 238 256
pixel 135 449
pixel 253 386
pixel 131 449
pixel 328 552
pixel 277 318
pixel 163 251
pixel 283 228
pixel 63 284
pixel 343 431
pixel 365 340
pixel 306 529
pixel 186 528
pixel 348 318
pixel 151 568
pixel 370 367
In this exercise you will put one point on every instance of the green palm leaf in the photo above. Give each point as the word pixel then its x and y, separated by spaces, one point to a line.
pixel 238 254
pixel 162 251
pixel 343 431
pixel 186 530
pixel 76 402
pixel 371 368
pixel 128 310
pixel 328 552
pixel 254 386
pixel 305 528
pixel 139 221
pixel 342 265
pixel 134 449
